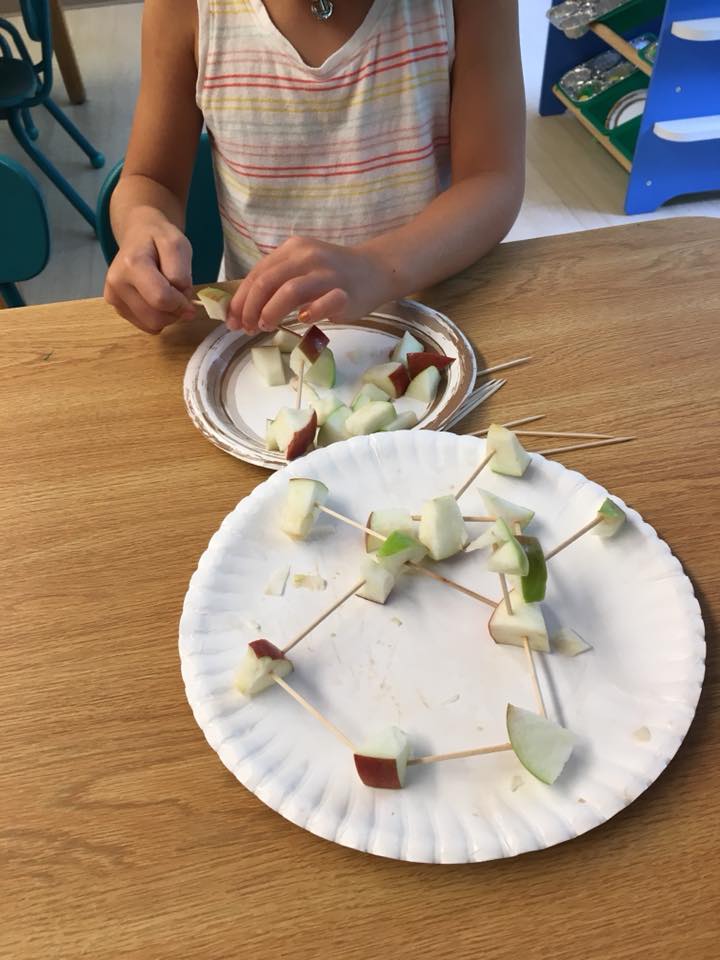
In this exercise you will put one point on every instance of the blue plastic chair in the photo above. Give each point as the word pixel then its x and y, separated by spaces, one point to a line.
pixel 203 226
pixel 24 232
pixel 24 85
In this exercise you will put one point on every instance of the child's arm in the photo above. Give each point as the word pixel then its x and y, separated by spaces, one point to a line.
pixel 149 281
pixel 487 134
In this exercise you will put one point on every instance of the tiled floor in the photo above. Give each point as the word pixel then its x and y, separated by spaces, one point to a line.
pixel 572 183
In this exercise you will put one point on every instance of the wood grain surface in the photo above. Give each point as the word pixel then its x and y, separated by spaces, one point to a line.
pixel 123 836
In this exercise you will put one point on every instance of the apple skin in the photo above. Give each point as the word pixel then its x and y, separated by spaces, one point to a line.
pixel 302 439
pixel 378 772
pixel 417 362
pixel 400 379
pixel 263 648
pixel 313 343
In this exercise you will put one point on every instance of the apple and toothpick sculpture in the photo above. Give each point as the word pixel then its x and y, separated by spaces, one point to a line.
pixel 396 540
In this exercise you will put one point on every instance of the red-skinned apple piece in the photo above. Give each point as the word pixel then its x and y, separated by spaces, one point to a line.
pixel 381 772
pixel 294 431
pixel 313 343
pixel 417 362
pixel 392 377
pixel 263 648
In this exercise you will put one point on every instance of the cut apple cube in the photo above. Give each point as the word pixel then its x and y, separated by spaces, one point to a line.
pixel 286 340
pixel 495 535
pixel 417 362
pixel 270 438
pixel 509 559
pixel 263 660
pixel 334 429
pixel 366 394
pixel 294 431
pixel 568 643
pixel 321 373
pixel 424 386
pixel 407 345
pixel 382 760
pixel 505 510
pixel 323 404
pixel 525 621
pixel 442 529
pixel 403 421
pixel 510 458
pixel 371 418
pixel 216 302
pixel 313 343
pixel 399 549
pixel 268 363
pixel 386 522
pixel 379 581
pixel 613 518
pixel 391 377
pixel 301 507
pixel 542 746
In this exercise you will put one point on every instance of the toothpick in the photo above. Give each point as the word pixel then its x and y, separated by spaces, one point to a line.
pixel 504 366
pixel 585 446
pixel 474 475
pixel 313 711
pixel 323 616
pixel 466 519
pixel 506 592
pixel 418 568
pixel 280 326
pixel 510 423
pixel 301 381
pixel 534 677
pixel 576 536
pixel 461 754
pixel 561 433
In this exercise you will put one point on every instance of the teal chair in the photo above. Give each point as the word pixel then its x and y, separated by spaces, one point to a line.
pixel 24 232
pixel 203 227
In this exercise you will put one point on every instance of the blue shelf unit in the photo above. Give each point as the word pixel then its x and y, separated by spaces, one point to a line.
pixel 678 145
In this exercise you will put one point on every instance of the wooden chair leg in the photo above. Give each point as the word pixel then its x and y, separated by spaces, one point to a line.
pixel 65 55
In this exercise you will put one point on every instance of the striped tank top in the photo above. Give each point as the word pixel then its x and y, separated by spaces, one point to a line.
pixel 340 152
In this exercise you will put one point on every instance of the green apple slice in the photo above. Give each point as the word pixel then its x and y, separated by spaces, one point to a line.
pixel 216 302
pixel 286 340
pixel 371 418
pixel 442 529
pixel 399 549
pixel 568 643
pixel 505 510
pixel 525 622
pixel 382 760
pixel 424 386
pixel 262 660
pixel 542 746
pixel 321 373
pixel 333 430
pixel 613 518
pixel 268 363
pixel 407 345
pixel 510 559
pixel 302 504
pixel 403 421
pixel 379 581
pixel 385 522
pixel 534 581
pixel 510 458
pixel 495 535
pixel 367 393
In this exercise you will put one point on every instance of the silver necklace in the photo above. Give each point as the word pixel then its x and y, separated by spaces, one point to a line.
pixel 322 9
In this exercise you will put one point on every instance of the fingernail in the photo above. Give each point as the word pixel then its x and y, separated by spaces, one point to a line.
pixel 304 316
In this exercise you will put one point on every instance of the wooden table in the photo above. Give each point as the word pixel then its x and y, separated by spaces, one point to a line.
pixel 124 837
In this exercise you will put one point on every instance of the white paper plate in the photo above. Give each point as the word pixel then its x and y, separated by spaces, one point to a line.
pixel 230 404
pixel 426 663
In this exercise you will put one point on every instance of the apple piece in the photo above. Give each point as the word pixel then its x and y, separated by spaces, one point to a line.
pixel 278 581
pixel 510 559
pixel 366 394
pixel 534 582
pixel 322 403
pixel 391 377
pixel 270 438
pixel 408 344
pixel 424 386
pixel 399 549
pixel 568 643
pixel 403 421
pixel 386 522
pixel 262 660
pixel 294 431
pixel 268 363
pixel 321 373
pixel 526 620
pixel 382 760
pixel 417 362
pixel 333 430
pixel 301 507
pixel 495 536
pixel 542 746
pixel 379 581
pixel 442 529
pixel 511 459
pixel 286 340
pixel 371 418
pixel 612 519
pixel 216 302
pixel 505 510
pixel 313 343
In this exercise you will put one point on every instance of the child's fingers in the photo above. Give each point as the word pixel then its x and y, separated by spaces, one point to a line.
pixel 159 295
pixel 175 259
pixel 294 293
pixel 237 305
pixel 261 291
pixel 330 306
pixel 145 316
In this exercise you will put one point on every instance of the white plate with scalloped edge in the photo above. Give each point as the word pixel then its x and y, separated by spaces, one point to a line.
pixel 425 661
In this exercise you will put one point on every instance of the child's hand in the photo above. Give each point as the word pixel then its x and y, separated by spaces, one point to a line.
pixel 150 282
pixel 322 280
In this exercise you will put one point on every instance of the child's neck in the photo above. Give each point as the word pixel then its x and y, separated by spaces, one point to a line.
pixel 314 40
